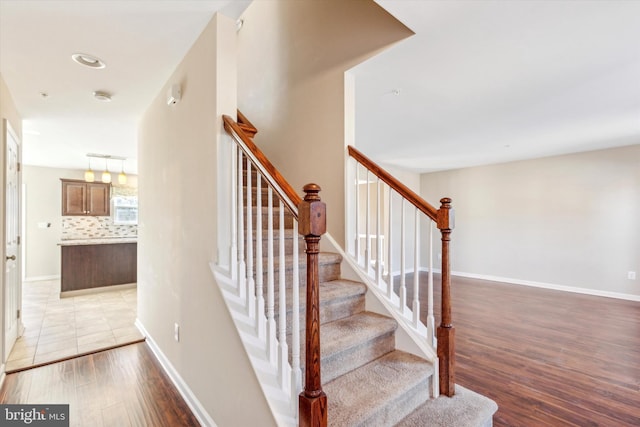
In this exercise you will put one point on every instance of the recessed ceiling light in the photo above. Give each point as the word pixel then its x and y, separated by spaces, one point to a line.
pixel 102 96
pixel 88 60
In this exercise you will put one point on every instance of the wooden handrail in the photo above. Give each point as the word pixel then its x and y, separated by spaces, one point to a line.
pixel 396 185
pixel 290 197
pixel 246 125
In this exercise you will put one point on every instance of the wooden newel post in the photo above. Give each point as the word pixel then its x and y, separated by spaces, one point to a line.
pixel 446 333
pixel 312 223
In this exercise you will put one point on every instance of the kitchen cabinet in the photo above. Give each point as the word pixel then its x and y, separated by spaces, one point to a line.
pixel 85 198
pixel 86 265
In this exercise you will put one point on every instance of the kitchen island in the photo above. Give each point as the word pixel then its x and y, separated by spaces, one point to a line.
pixel 91 264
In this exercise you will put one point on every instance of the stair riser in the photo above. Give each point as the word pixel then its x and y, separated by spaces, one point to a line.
pixel 330 311
pixel 326 272
pixel 288 246
pixel 393 412
pixel 288 220
pixel 254 174
pixel 264 200
pixel 351 359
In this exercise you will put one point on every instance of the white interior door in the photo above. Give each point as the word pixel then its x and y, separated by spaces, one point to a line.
pixel 12 283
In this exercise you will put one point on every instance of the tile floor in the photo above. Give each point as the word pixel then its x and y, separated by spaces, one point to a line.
pixel 57 328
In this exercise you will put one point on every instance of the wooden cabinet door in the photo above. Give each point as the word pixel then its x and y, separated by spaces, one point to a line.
pixel 74 195
pixel 98 199
pixel 85 198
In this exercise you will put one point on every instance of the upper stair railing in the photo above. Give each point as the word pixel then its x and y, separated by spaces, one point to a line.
pixel 252 173
pixel 381 233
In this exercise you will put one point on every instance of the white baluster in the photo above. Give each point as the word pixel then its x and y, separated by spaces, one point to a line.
pixel 378 236
pixel 242 266
pixel 367 251
pixel 271 322
pixel 283 370
pixel 233 250
pixel 357 245
pixel 251 291
pixel 431 321
pixel 390 248
pixel 260 318
pixel 416 271
pixel 403 285
pixel 296 373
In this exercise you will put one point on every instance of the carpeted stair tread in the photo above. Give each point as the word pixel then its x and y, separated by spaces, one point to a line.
pixel 465 409
pixel 340 289
pixel 354 331
pixel 264 210
pixel 324 258
pixel 328 266
pixel 354 341
pixel 288 234
pixel 338 299
pixel 380 393
pixel 334 292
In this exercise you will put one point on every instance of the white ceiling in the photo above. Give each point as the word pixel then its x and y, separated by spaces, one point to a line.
pixel 141 41
pixel 493 81
pixel 480 82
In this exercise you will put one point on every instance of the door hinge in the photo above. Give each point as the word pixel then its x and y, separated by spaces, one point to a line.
pixel 18 314
pixel 18 239
pixel 19 166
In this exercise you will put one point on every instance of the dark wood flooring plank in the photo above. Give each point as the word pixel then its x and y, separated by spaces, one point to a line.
pixel 16 388
pixel 120 387
pixel 548 358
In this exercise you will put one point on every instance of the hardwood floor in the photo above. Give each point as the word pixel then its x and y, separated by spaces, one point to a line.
pixel 548 358
pixel 120 387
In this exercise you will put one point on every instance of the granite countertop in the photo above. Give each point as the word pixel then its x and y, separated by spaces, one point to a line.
pixel 98 241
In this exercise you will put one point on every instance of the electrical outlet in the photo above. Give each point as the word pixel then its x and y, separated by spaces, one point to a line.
pixel 631 275
pixel 176 332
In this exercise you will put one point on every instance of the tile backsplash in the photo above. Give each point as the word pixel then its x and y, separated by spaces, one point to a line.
pixel 94 227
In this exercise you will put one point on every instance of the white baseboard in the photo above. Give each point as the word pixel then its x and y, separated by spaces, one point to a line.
pixel 573 289
pixel 2 374
pixel 553 286
pixel 192 401
pixel 41 278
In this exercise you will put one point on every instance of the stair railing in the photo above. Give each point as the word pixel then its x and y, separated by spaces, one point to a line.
pixel 251 170
pixel 379 203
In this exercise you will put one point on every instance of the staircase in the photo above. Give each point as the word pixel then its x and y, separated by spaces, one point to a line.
pixel 367 380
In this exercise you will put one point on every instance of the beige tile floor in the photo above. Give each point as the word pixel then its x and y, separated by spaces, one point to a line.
pixel 57 328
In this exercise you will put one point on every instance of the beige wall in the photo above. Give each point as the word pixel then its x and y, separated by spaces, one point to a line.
pixel 293 55
pixel 42 203
pixel 177 233
pixel 9 112
pixel 569 220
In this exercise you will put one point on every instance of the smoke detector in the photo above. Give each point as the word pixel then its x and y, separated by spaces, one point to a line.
pixel 102 96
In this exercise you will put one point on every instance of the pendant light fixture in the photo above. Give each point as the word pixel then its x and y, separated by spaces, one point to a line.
pixel 106 176
pixel 122 177
pixel 89 176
